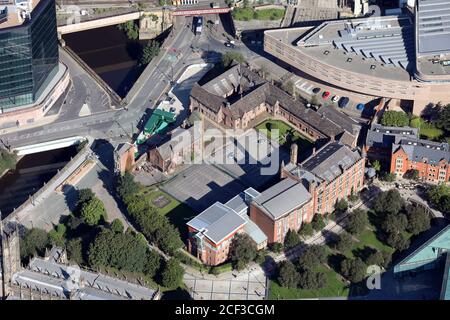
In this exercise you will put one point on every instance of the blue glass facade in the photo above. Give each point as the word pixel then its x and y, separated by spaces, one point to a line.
pixel 28 54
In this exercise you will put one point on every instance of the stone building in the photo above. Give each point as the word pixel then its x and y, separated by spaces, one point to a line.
pixel 239 97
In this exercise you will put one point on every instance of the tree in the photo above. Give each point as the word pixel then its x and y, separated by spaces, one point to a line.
pixel 230 56
pixel 150 50
pixel 93 211
pixel 306 230
pixel 439 196
pixel 387 258
pixel 374 258
pixel 376 165
pixel 310 280
pixel 57 235
pixel 357 221
pixel 444 118
pixel 172 274
pixel 344 242
pixel 122 251
pixel 152 263
pixel 289 87
pixel 243 250
pixel 75 250
pixel 287 274
pixel 276 247
pixel 354 270
pixel 312 257
pixel 117 226
pixel 317 222
pixel 394 223
pixel 397 241
pixel 444 205
pixel 395 119
pixel 389 202
pixel 412 174
pixel 34 241
pixel 418 219
pixel 319 252
pixel 168 238
pixel 388 177
pixel 341 206
pixel 126 186
pixel 130 28
pixel 84 196
pixel 8 160
pixel 291 240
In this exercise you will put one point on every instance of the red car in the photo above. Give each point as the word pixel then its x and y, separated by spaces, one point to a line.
pixel 326 95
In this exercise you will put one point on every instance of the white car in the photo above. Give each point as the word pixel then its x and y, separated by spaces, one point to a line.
pixel 335 99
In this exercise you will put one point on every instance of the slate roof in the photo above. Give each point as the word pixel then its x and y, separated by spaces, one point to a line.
pixel 420 150
pixel 380 136
pixel 66 281
pixel 179 139
pixel 282 198
pixel 256 91
pixel 331 161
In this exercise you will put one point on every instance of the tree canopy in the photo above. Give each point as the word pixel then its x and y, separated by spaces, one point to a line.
pixel 117 226
pixel 444 118
pixel 291 240
pixel 389 202
pixel 317 222
pixel 172 274
pixel 344 242
pixel 8 160
pixel 93 211
pixel 354 270
pixel 418 219
pixel 287 274
pixel 150 50
pixel 243 250
pixel 34 241
pixel 395 119
pixel 230 56
pixel 126 186
pixel 357 221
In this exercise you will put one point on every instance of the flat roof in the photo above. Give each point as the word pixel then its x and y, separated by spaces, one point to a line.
pixel 13 19
pixel 332 50
pixel 433 26
pixel 285 196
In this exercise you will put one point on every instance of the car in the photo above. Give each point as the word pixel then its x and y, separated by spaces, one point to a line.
pixel 343 102
pixel 229 45
pixel 326 94
pixel 360 106
pixel 316 90
pixel 335 99
pixel 172 109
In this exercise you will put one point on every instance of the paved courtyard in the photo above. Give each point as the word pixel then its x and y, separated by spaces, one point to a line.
pixel 200 185
pixel 247 285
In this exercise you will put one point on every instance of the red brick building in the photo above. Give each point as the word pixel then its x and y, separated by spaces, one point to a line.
pixel 430 159
pixel 330 174
pixel 212 231
pixel 282 207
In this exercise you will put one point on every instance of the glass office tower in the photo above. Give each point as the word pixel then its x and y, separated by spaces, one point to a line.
pixel 28 55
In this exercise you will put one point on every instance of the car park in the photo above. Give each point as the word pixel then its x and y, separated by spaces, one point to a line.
pixel 326 95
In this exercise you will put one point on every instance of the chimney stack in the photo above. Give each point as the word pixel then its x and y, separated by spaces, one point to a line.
pixel 294 153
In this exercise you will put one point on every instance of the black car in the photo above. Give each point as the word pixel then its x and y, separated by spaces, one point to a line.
pixel 316 90
pixel 343 102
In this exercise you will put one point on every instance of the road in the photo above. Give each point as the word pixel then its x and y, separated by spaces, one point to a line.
pixel 114 124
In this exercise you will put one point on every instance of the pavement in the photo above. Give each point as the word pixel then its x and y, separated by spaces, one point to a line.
pixel 249 284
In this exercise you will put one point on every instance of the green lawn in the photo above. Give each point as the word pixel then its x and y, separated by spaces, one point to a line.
pixel 177 213
pixel 335 287
pixel 303 142
pixel 246 14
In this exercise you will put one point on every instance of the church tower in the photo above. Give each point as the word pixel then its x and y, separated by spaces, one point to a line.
pixel 9 257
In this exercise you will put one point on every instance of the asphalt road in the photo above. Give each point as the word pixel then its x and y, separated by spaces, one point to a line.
pixel 115 124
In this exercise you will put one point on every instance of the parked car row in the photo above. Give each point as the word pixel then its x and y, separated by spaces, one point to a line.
pixel 341 101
